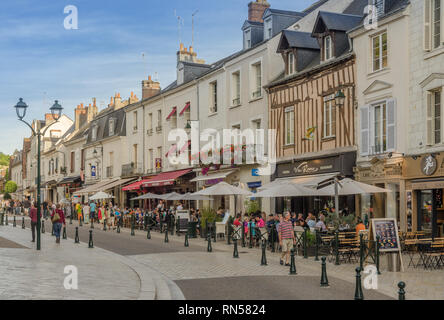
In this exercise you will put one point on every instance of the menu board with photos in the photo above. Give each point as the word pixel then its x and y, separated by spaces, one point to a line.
pixel 387 230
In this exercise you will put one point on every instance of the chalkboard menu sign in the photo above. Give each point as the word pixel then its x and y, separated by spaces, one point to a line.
pixel 387 230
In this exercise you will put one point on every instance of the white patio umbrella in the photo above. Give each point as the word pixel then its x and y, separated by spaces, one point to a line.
pixel 190 196
pixel 171 196
pixel 101 196
pixel 348 186
pixel 224 189
pixel 147 196
pixel 285 190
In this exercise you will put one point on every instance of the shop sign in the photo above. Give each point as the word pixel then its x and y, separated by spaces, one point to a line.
pixel 429 165
pixel 93 171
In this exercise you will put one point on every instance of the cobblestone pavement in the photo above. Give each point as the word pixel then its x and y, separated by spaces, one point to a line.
pixel 27 274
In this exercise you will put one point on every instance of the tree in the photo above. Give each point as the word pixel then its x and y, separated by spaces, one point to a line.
pixel 7 196
pixel 10 187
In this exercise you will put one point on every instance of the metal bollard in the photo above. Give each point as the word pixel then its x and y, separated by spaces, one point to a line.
pixel 250 232
pixel 92 224
pixel 264 257
pixel 14 224
pixel 235 251
pixel 209 248
pixel 166 235
pixel 337 248
pixel 148 233
pixel 2 219
pixel 186 244
pixel 324 279
pixel 133 226
pixel 172 226
pixel 161 225
pixel 118 227
pixel 70 219
pixel 377 253
pixel 23 222
pixel 243 235
pixel 273 241
pixel 76 238
pixel 358 289
pixel 64 233
pixel 52 230
pixel 104 224
pixel 401 292
pixel 292 263
pixel 361 250
pixel 305 243
pixel 43 226
pixel 7 219
pixel 81 222
pixel 90 242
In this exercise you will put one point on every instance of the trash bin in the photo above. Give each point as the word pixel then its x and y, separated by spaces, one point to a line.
pixel 394 262
pixel 192 229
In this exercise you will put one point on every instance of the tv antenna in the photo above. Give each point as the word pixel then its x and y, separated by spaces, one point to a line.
pixel 192 27
pixel 180 23
pixel 145 69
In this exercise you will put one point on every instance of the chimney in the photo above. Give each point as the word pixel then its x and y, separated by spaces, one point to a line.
pixel 150 88
pixel 92 111
pixel 256 10
pixel 188 56
pixel 80 116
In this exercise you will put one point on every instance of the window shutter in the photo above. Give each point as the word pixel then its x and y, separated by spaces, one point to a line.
pixel 365 125
pixel 427 25
pixel 429 129
pixel 391 125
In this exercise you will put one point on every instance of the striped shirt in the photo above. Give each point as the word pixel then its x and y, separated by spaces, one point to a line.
pixel 286 230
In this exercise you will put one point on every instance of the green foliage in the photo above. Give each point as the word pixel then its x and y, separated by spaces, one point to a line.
pixel 6 196
pixel 335 220
pixel 4 159
pixel 208 214
pixel 10 187
pixel 311 239
pixel 252 206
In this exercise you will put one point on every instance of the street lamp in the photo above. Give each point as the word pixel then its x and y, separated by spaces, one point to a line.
pixel 56 112
pixel 339 98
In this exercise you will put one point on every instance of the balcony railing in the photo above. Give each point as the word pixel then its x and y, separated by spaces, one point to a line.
pixel 109 172
pixel 131 169
pixel 257 94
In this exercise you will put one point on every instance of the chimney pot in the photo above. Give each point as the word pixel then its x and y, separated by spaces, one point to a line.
pixel 149 78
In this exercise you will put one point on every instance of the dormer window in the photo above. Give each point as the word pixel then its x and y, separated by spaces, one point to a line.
pixel 328 52
pixel 247 39
pixel 94 133
pixel 268 29
pixel 112 125
pixel 291 63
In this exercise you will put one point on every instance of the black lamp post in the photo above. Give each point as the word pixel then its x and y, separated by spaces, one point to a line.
pixel 339 98
pixel 56 112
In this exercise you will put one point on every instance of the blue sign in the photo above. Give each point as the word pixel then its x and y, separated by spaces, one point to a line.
pixel 255 172
pixel 93 171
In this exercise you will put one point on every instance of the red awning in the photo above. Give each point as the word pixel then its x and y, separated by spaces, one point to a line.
pixel 172 112
pixel 165 179
pixel 185 147
pixel 173 148
pixel 187 106
pixel 135 185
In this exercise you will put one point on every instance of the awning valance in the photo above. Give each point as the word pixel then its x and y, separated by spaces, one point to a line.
pixel 117 183
pixel 69 180
pixel 165 179
pixel 134 186
pixel 94 188
pixel 187 106
pixel 213 176
pixel 172 149
pixel 172 113
pixel 185 147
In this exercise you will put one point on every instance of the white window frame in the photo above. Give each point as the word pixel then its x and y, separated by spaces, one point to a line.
pixel 383 124
pixel 291 62
pixel 256 79
pixel 289 118
pixel 111 127
pixel 213 97
pixel 268 29
pixel 431 116
pixel 328 51
pixel 236 88
pixel 247 35
pixel 434 22
pixel 381 56
pixel 330 111
pixel 135 120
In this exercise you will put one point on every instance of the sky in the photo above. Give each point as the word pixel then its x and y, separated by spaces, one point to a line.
pixel 41 61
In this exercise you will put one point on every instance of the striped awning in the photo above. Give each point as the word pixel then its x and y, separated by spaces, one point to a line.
pixel 172 149
pixel 187 106
pixel 185 147
pixel 165 179
pixel 172 113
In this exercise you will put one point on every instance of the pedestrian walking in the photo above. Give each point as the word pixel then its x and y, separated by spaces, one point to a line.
pixel 33 216
pixel 286 238
pixel 92 212
pixel 58 219
pixel 86 211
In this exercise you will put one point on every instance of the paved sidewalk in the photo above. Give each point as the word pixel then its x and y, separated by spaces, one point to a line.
pixel 26 273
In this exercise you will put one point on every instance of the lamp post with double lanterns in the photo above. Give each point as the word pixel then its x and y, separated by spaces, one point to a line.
pixel 56 112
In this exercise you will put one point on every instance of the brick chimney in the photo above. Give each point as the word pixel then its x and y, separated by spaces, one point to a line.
pixel 256 10
pixel 80 116
pixel 189 56
pixel 92 111
pixel 150 88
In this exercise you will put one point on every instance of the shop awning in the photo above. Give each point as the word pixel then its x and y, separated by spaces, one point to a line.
pixel 172 149
pixel 117 183
pixel 187 106
pixel 165 179
pixel 94 188
pixel 50 183
pixel 69 180
pixel 135 186
pixel 311 181
pixel 172 113
pixel 213 176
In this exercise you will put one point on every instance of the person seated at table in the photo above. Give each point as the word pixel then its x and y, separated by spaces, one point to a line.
pixel 300 221
pixel 311 223
pixel 321 224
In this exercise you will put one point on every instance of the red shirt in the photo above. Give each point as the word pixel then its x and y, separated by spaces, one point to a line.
pixel 236 222
pixel 33 214
pixel 62 216
pixel 286 230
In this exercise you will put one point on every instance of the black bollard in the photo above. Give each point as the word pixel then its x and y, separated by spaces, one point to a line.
pixel 64 234
pixel 213 229
pixel 7 219
pixel 292 263
pixel 324 279
pixel 273 246
pixel 264 257
pixel 209 248
pixel 235 251
pixel 14 224
pixel 148 233
pixel 358 289
pixel 90 242
pixel 250 245
pixel 43 226
pixel 186 244
pixel 305 243
pixel 2 219
pixel 243 236
pixel 132 227
pixel 92 224
pixel 118 227
pixel 161 225
pixel 377 253
pixel 52 230
pixel 104 224
pixel 401 292
pixel 166 236
pixel 317 246
pixel 361 250
pixel 81 222
pixel 76 238
pixel 70 219
pixel 172 226
pixel 23 222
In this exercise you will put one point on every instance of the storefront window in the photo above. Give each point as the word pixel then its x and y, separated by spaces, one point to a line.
pixel 426 211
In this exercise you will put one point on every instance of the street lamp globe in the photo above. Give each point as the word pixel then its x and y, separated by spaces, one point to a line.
pixel 20 108
pixel 56 110
pixel 340 98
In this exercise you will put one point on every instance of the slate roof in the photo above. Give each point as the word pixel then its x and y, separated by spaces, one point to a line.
pixel 298 39
pixel 337 21
pixel 283 12
pixel 102 123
